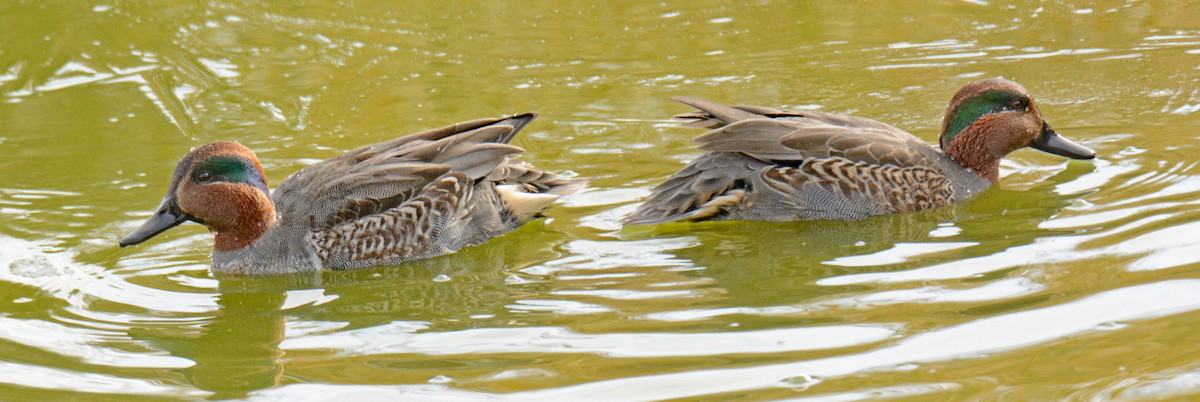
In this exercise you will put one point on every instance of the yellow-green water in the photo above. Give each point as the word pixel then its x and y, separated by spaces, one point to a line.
pixel 1066 280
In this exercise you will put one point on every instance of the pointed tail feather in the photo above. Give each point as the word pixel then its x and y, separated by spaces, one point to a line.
pixel 726 114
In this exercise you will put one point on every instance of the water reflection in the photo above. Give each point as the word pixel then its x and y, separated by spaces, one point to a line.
pixel 237 351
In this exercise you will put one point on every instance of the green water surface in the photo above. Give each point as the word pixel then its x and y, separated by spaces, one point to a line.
pixel 1068 279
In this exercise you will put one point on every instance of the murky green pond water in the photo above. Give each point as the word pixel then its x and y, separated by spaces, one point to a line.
pixel 1070 279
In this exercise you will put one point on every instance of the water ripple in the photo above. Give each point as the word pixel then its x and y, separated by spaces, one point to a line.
pixel 971 339
pixel 401 337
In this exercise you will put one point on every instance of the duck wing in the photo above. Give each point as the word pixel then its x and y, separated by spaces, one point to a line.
pixel 787 137
pixel 393 194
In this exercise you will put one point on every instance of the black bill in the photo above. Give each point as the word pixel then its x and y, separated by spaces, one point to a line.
pixel 168 216
pixel 1050 141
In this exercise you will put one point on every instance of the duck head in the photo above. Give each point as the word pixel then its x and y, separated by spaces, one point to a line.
pixel 220 185
pixel 988 119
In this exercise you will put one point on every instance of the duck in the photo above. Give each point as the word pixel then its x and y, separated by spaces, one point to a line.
pixel 769 164
pixel 416 196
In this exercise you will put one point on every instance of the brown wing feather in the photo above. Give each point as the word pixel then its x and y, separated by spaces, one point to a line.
pixel 534 180
pixel 856 144
pixel 759 138
pixel 786 136
pixel 405 232
pixel 389 173
pixel 704 118
pixel 703 189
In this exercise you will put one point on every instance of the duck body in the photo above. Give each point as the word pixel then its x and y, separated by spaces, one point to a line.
pixel 781 165
pixel 736 186
pixel 416 196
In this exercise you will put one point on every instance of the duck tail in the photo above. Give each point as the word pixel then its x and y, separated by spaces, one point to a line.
pixel 710 110
pixel 517 122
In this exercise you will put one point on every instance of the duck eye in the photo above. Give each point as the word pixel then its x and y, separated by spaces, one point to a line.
pixel 1018 104
pixel 204 177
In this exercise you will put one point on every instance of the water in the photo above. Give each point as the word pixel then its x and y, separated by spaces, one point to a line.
pixel 1068 279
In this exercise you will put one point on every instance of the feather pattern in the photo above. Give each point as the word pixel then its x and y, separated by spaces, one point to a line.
pixel 773 164
pixel 415 196
pixel 855 190
pixel 405 232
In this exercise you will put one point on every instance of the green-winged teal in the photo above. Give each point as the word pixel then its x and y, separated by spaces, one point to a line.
pixel 780 165
pixel 412 197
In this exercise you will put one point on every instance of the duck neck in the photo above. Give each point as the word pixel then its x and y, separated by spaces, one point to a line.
pixel 971 149
pixel 251 213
